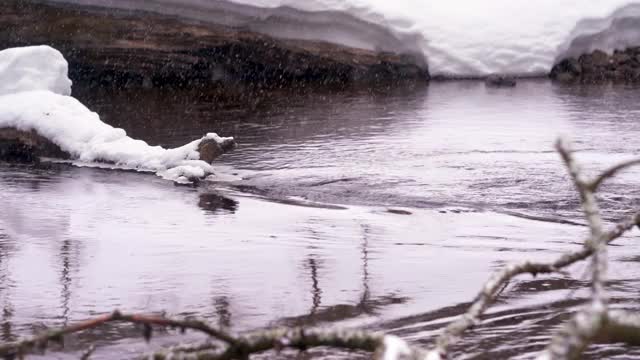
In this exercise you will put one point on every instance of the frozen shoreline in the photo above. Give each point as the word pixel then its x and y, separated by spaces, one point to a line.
pixel 38 117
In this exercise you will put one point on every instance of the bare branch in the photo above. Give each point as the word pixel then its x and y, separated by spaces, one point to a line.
pixel 596 241
pixel 611 172
pixel 571 340
pixel 385 347
pixel 489 293
pixel 41 341
pixel 588 200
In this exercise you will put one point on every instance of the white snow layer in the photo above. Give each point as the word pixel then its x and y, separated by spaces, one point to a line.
pixel 33 68
pixel 41 103
pixel 457 37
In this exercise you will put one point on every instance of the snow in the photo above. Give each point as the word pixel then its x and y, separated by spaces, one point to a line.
pixel 33 68
pixel 39 101
pixel 458 37
pixel 394 348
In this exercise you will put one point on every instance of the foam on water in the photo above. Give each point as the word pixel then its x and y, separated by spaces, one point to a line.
pixel 457 37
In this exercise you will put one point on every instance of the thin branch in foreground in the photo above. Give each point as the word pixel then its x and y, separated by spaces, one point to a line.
pixel 595 243
pixel 583 328
pixel 385 347
pixel 41 341
pixel 611 172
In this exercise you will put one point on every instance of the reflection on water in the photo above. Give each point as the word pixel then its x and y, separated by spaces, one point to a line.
pixel 214 203
pixel 377 209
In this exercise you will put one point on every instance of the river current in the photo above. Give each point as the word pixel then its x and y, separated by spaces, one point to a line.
pixel 383 209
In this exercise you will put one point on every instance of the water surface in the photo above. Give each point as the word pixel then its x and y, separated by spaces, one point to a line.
pixel 385 209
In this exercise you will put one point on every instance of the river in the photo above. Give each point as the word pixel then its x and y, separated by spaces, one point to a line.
pixel 383 209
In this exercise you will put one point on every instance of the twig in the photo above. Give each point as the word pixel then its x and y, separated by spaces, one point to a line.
pixel 571 340
pixel 41 341
pixel 240 347
pixel 611 172
pixel 596 241
pixel 489 292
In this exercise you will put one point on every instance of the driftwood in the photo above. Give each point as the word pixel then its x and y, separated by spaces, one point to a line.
pixel 596 322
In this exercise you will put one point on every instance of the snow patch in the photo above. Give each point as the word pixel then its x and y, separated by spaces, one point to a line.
pixel 33 68
pixel 395 348
pixel 34 95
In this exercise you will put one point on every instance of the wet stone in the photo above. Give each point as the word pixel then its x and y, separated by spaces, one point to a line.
pixel 497 80
pixel 210 149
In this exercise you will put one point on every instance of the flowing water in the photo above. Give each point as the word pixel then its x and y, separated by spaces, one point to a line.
pixel 384 209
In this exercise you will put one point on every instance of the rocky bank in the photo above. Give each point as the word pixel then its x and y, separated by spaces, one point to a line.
pixel 119 48
pixel 623 66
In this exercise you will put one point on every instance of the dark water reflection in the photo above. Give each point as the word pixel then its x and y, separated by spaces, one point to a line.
pixel 383 209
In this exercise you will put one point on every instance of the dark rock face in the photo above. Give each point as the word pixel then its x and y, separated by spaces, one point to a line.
pixel 27 146
pixel 497 80
pixel 598 66
pixel 135 49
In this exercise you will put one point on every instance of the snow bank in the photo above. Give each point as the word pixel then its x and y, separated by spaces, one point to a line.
pixel 33 68
pixel 34 90
pixel 458 37
pixel 617 31
pixel 78 131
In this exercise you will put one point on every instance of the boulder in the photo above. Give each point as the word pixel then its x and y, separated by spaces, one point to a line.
pixel 27 146
pixel 498 80
pixel 210 149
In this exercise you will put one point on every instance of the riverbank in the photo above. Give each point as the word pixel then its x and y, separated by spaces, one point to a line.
pixel 119 48
pixel 623 66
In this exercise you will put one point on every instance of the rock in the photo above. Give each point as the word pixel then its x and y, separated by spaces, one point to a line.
pixel 620 58
pixel 566 77
pixel 497 80
pixel 399 212
pixel 597 58
pixel 27 146
pixel 598 67
pixel 210 149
